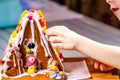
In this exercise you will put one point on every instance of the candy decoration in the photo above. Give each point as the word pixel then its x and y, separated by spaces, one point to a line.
pixel 31 45
pixel 31 60
pixel 17 30
pixel 61 56
pixel 40 13
pixel 2 62
pixel 50 65
pixel 57 50
pixel 61 72
pixel 53 76
pixel 30 17
pixel 31 70
pixel 41 22
pixel 24 13
pixel 59 76
pixel 44 29
pixel 13 34
pixel 28 50
pixel 54 68
pixel 31 10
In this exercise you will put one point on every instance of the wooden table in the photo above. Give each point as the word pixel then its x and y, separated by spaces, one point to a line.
pixel 96 74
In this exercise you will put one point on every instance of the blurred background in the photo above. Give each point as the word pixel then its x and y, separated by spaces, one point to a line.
pixel 96 9
pixel 54 10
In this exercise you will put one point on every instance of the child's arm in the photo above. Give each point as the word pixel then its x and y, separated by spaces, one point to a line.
pixel 64 38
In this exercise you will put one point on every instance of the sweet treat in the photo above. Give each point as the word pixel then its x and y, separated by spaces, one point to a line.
pixel 29 55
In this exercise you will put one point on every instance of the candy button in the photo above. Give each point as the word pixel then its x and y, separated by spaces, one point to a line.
pixel 57 50
pixel 31 59
pixel 31 45
pixel 61 72
pixel 44 29
pixel 24 13
pixel 30 17
pixel 41 22
pixel 50 65
pixel 60 55
pixel 31 10
pixel 59 76
pixel 31 70
pixel 2 62
pixel 54 68
pixel 13 34
pixel 28 50
pixel 40 13
pixel 53 76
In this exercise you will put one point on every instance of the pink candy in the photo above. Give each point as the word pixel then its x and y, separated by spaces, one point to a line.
pixel 30 17
pixel 31 60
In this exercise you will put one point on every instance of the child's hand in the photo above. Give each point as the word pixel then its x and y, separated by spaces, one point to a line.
pixel 62 37
pixel 99 65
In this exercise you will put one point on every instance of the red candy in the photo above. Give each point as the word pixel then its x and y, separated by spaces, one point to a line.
pixel 60 55
pixel 3 62
pixel 32 10
pixel 41 22
pixel 30 17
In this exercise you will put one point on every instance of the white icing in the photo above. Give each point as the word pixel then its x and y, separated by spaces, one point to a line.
pixel 43 38
pixel 32 75
pixel 32 30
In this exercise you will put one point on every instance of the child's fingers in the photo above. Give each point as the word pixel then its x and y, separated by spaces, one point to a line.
pixel 55 39
pixel 104 67
pixel 96 65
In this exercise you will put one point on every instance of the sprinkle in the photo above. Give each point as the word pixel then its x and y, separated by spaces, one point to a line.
pixel 53 76
pixel 28 50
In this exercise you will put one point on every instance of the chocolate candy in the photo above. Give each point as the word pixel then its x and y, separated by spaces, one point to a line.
pixel 31 45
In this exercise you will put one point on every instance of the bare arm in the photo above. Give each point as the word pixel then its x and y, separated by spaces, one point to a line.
pixel 64 38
